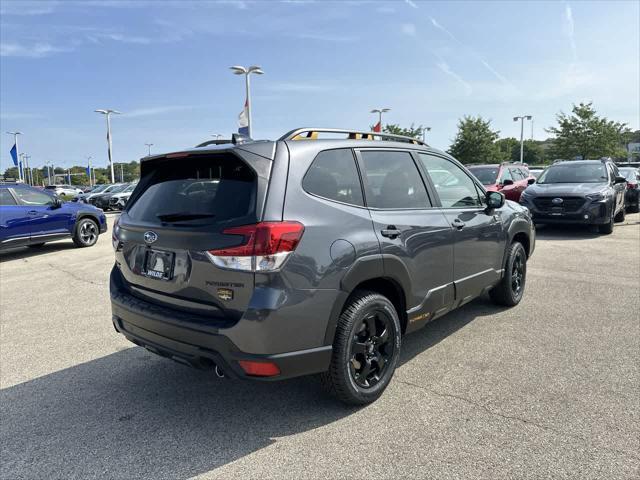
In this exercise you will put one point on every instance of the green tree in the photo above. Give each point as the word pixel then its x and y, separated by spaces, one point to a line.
pixel 475 141
pixel 506 147
pixel 412 131
pixel 532 152
pixel 584 134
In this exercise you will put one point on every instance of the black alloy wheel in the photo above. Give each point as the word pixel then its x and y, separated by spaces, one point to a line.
pixel 371 349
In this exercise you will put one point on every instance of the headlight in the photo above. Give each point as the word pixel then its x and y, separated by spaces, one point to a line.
pixel 596 197
pixel 526 198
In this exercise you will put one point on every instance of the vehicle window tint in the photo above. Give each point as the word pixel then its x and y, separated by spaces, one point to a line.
pixel 6 198
pixel 457 193
pixel 205 190
pixel 27 196
pixel 333 175
pixel 506 175
pixel 516 174
pixel 486 175
pixel 393 180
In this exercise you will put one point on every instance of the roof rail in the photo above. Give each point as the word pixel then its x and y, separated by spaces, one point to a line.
pixel 312 134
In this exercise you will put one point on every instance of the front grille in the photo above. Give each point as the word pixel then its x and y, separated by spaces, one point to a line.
pixel 569 204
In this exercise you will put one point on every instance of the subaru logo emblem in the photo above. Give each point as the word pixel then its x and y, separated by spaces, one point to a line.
pixel 150 237
pixel 557 201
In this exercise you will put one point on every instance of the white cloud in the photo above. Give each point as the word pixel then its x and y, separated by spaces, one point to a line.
pixel 27 8
pixel 20 116
pixel 299 87
pixel 152 111
pixel 37 50
pixel 485 63
pixel 569 30
pixel 409 29
pixel 324 37
pixel 444 67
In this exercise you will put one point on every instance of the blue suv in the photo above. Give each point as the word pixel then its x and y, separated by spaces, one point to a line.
pixel 30 217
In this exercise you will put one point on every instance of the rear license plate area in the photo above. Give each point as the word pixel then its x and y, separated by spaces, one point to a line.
pixel 158 264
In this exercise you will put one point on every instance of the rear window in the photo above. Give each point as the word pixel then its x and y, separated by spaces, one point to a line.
pixel 486 175
pixel 204 190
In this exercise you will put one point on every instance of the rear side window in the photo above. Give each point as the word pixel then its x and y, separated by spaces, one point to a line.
pixel 205 190
pixel 6 198
pixel 333 175
pixel 393 180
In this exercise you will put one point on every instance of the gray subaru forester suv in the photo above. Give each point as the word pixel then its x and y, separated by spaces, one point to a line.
pixel 312 254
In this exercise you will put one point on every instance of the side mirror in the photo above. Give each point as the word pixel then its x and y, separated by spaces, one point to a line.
pixel 495 200
pixel 56 203
pixel 620 180
pixel 531 181
pixel 507 182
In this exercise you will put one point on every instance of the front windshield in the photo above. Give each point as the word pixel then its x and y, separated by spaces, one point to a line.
pixel 116 188
pixel 99 188
pixel 629 173
pixel 574 173
pixel 486 175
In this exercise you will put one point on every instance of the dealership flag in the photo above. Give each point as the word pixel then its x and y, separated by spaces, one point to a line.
pixel 14 154
pixel 377 127
pixel 88 170
pixel 243 119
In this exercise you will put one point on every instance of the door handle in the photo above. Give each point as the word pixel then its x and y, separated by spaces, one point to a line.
pixel 459 224
pixel 32 212
pixel 390 232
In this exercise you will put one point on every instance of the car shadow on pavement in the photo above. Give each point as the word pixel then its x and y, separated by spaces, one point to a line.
pixel 567 232
pixel 20 253
pixel 132 414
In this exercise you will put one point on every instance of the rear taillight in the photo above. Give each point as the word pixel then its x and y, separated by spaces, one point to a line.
pixel 115 240
pixel 265 247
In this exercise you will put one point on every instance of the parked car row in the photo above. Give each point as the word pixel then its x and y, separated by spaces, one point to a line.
pixel 108 197
pixel 592 192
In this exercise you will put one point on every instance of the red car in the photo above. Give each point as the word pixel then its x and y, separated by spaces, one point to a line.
pixel 508 178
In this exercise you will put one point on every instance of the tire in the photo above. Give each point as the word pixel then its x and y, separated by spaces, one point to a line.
pixel 86 233
pixel 607 228
pixel 36 245
pixel 367 341
pixel 620 216
pixel 510 290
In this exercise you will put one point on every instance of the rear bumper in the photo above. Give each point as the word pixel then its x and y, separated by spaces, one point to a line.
pixel 198 344
pixel 632 198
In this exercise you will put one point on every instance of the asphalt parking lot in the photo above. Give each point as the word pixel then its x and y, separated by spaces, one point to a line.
pixel 550 388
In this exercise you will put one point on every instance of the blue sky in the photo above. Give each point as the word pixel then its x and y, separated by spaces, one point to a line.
pixel 165 66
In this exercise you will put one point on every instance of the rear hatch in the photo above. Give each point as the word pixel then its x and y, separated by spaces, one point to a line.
pixel 176 215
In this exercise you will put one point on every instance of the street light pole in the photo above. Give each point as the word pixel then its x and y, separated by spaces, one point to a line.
pixel 15 142
pixel 379 111
pixel 240 70
pixel 149 145
pixel 89 166
pixel 424 131
pixel 29 171
pixel 522 119
pixel 108 113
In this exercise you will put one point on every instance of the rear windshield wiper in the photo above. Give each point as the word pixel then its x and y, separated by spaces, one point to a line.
pixel 178 216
